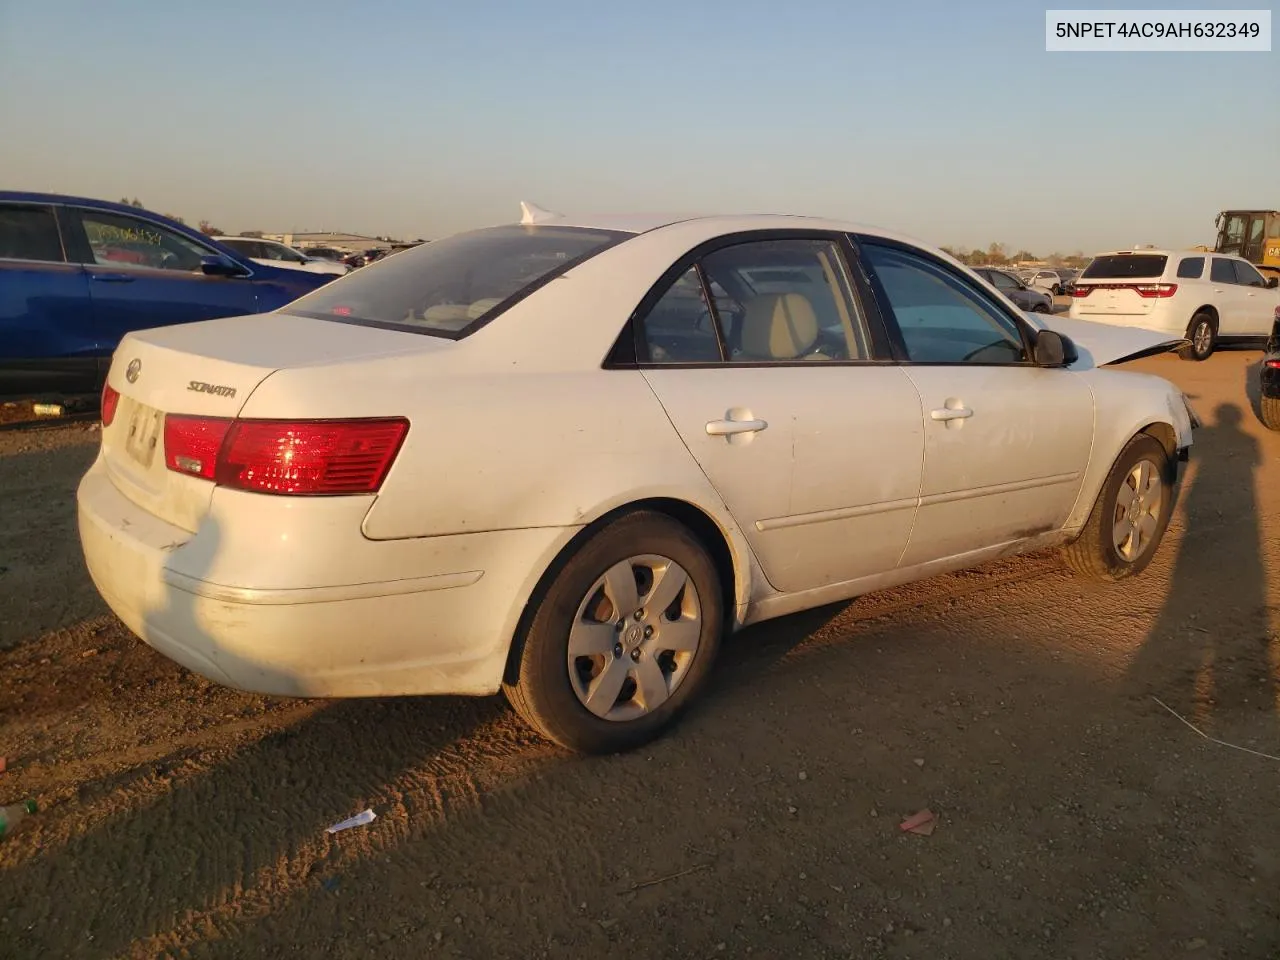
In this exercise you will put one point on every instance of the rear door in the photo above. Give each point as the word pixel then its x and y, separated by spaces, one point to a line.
pixel 777 384
pixel 47 337
pixel 1006 442
pixel 142 274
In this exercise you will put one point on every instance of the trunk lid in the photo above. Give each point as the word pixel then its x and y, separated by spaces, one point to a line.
pixel 1113 285
pixel 1111 299
pixel 210 369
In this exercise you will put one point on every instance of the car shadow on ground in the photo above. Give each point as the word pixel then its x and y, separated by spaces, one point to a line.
pixel 1209 653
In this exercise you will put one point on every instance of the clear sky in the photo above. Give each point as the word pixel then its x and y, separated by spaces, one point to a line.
pixel 945 120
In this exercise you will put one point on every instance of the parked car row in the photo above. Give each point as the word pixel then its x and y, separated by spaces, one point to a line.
pixel 694 405
pixel 77 274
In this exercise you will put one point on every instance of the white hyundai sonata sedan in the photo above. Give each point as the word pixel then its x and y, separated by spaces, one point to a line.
pixel 564 457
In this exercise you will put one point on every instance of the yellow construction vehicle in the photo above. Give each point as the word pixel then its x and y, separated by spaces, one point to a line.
pixel 1252 234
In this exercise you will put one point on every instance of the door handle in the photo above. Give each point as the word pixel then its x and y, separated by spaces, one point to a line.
pixel 951 413
pixel 727 428
pixel 111 277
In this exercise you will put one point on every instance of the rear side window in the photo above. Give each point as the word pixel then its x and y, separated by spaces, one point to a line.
pixel 1223 271
pixel 245 248
pixel 448 287
pixel 1190 268
pixel 1125 266
pixel 29 233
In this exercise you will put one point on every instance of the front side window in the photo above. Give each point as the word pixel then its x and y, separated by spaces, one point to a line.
pixel 943 319
pixel 123 241
pixel 1248 276
pixel 1222 271
pixel 447 286
pixel 1191 268
pixel 29 233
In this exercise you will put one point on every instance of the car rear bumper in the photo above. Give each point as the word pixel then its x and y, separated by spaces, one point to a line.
pixel 443 628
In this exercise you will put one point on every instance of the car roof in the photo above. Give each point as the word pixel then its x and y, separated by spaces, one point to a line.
pixel 25 196
pixel 712 224
pixel 1161 252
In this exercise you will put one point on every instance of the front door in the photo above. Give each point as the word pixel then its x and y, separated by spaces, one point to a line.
pixel 142 274
pixel 1229 297
pixel 1258 302
pixel 1006 442
pixel 815 448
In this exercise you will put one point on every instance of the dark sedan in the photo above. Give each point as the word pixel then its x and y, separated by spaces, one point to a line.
pixel 77 274
pixel 1034 301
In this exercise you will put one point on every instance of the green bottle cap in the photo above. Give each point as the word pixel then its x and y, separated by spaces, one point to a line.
pixel 31 806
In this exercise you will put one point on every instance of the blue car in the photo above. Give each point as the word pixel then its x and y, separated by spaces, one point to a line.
pixel 76 275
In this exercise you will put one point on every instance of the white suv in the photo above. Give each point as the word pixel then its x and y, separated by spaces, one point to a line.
pixel 1209 298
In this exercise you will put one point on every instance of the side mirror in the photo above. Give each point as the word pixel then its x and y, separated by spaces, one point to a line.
pixel 219 266
pixel 1273 282
pixel 1052 349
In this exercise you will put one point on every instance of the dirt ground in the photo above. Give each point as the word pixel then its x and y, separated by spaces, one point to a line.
pixel 1077 817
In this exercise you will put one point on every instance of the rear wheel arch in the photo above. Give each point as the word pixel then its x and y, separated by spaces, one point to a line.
pixel 697 521
pixel 1208 308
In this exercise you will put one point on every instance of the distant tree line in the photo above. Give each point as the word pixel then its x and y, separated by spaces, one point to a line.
pixel 997 255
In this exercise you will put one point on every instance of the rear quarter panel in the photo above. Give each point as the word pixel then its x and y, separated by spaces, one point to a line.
pixel 495 450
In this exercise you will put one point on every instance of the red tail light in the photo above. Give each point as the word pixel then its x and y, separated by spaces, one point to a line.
pixel 298 457
pixel 1080 292
pixel 191 444
pixel 110 400
pixel 1150 290
pixel 1272 364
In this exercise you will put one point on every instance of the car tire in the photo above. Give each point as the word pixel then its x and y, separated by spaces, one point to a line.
pixel 1099 553
pixel 551 690
pixel 1269 412
pixel 1056 290
pixel 1202 331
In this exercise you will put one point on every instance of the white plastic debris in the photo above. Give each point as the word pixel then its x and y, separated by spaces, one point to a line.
pixel 359 820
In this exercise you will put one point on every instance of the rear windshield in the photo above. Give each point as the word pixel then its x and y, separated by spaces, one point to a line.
pixel 1123 266
pixel 448 287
